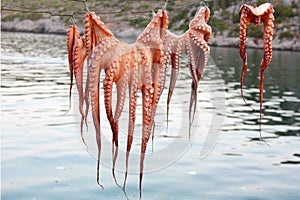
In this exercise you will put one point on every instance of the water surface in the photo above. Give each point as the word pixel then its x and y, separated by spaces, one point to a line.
pixel 42 156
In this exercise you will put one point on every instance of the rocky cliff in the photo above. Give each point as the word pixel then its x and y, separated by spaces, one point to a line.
pixel 127 19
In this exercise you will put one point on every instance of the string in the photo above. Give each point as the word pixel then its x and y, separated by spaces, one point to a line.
pixel 43 12
pixel 16 8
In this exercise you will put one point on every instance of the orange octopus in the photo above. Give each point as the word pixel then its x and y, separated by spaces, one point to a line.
pixel 193 43
pixel 139 66
pixel 251 14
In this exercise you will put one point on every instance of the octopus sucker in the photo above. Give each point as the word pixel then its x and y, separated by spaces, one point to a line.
pixel 251 14
pixel 133 88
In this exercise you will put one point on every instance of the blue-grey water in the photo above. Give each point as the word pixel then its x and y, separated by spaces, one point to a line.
pixel 43 158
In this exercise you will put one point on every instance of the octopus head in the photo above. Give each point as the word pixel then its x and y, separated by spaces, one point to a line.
pixel 199 23
pixel 154 34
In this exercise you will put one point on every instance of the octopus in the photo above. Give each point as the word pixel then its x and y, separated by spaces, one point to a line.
pixel 251 14
pixel 138 66
pixel 80 48
pixel 193 43
pixel 141 66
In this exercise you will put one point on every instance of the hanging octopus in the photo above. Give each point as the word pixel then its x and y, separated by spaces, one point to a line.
pixel 79 50
pixel 76 57
pixel 139 65
pixel 255 15
pixel 193 43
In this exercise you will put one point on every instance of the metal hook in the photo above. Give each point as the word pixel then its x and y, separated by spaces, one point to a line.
pixel 165 6
pixel 153 12
pixel 73 20
pixel 204 3
pixel 86 6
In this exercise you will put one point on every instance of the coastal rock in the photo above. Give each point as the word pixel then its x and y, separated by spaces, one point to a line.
pixel 52 25
pixel 284 44
pixel 55 26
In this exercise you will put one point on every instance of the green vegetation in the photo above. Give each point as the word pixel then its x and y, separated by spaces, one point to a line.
pixel 145 6
pixel 181 16
pixel 255 31
pixel 286 34
pixel 225 15
pixel 22 16
pixel 283 12
pixel 124 6
pixel 217 24
pixel 138 13
pixel 138 22
pixel 236 18
pixel 234 31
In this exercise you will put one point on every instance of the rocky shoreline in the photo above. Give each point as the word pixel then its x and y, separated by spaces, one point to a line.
pixel 55 26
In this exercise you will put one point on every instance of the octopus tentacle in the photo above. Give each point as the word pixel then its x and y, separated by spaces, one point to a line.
pixel 200 52
pixel 268 37
pixel 193 72
pixel 244 22
pixel 255 15
pixel 147 96
pixel 79 58
pixel 147 93
pixel 176 45
pixel 107 86
pixel 94 78
pixel 95 33
pixel 96 119
pixel 133 88
pixel 121 85
pixel 70 46
pixel 175 59
pixel 89 41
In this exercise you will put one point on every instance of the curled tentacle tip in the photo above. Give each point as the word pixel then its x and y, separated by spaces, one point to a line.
pixel 261 137
pixel 243 97
pixel 65 113
pixel 101 186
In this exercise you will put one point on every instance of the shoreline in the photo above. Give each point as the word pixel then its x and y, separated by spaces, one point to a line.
pixel 54 26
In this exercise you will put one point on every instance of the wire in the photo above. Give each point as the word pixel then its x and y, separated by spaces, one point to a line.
pixel 41 12
pixel 16 8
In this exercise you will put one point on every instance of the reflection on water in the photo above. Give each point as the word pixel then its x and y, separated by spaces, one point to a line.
pixel 281 107
pixel 43 158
